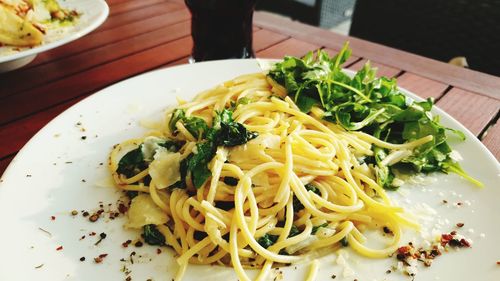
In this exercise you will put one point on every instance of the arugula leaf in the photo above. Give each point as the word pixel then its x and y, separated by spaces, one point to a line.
pixel 293 231
pixel 369 104
pixel 196 126
pixel 177 114
pixel 234 105
pixel 452 166
pixel 317 227
pixel 153 236
pixel 297 205
pixel 267 240
pixel 231 181
pixel 344 241
pixel 305 103
pixel 384 175
pixel 131 194
pixel 230 133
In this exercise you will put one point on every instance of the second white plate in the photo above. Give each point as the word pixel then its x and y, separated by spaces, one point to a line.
pixel 93 14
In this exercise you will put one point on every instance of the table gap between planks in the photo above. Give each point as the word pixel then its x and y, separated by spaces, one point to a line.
pixel 140 36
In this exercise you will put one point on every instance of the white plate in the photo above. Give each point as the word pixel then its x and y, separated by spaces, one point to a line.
pixel 93 14
pixel 45 179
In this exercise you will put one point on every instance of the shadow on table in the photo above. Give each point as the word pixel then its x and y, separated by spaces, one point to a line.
pixel 441 29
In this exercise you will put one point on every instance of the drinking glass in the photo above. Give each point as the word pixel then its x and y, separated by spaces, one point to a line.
pixel 221 29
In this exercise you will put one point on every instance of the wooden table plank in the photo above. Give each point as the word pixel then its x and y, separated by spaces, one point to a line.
pixel 382 69
pixel 114 2
pixel 99 39
pixel 472 110
pixel 14 135
pixel 139 15
pixel 90 80
pixel 77 63
pixel 467 79
pixel 4 163
pixel 133 5
pixel 291 47
pixel 421 86
pixel 492 140
pixel 264 39
pixel 350 61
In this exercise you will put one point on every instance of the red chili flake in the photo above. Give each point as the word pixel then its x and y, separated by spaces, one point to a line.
pixel 138 244
pixel 82 259
pixel 92 233
pixel 85 214
pixel 59 248
pixel 404 249
pixel 446 237
pixel 464 243
pixel 445 201
pixel 453 232
pixel 53 218
pixel 122 208
pixel 387 230
pixel 100 258
pixel 158 251
pixel 94 217
pixel 459 203
pixel 434 253
pixel 460 224
pixel 498 262
pixel 126 243
pixel 83 237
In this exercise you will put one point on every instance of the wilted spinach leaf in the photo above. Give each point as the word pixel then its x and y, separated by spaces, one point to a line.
pixel 132 163
pixel 153 236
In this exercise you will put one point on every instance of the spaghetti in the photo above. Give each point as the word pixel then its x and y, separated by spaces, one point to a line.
pixel 291 186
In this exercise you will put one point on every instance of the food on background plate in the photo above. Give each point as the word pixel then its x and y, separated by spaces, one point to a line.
pixel 23 23
pixel 268 169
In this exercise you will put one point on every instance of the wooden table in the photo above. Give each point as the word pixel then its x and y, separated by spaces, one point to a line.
pixel 140 36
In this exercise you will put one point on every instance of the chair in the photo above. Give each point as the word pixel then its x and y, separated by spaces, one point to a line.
pixel 323 13
pixel 439 29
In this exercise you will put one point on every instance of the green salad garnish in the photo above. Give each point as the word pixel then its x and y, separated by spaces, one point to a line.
pixel 372 105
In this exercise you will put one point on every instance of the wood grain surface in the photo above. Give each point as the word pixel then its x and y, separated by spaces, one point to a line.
pixel 140 36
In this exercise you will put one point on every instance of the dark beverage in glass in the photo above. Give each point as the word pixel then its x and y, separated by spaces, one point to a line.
pixel 221 29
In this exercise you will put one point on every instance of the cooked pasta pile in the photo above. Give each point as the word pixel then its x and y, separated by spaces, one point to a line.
pixel 293 186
